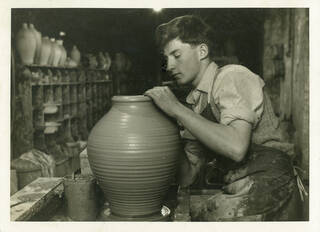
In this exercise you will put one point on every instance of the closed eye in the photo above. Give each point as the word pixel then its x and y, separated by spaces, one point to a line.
pixel 176 55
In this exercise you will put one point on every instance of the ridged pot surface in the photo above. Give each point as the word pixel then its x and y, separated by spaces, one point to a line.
pixel 133 152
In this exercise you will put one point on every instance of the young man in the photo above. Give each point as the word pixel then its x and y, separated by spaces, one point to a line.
pixel 230 118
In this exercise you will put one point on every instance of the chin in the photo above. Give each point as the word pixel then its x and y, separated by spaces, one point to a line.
pixel 181 82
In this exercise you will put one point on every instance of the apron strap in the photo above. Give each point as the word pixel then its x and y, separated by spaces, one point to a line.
pixel 213 105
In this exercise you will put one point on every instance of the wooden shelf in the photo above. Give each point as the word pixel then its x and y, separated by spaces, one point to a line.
pixel 81 94
pixel 100 81
pixel 64 68
pixel 71 83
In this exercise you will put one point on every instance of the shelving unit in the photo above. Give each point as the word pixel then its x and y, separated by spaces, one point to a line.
pixel 55 107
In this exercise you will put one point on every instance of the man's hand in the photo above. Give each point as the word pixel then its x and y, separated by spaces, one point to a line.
pixel 164 99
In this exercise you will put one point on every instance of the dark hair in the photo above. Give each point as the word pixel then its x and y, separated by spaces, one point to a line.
pixel 189 29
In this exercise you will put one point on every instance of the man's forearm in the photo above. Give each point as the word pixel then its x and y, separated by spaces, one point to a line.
pixel 225 140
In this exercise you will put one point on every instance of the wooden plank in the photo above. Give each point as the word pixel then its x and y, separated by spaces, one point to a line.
pixel 32 198
pixel 300 115
pixel 286 82
pixel 13 182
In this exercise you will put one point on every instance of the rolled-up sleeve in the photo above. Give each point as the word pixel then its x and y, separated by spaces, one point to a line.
pixel 240 96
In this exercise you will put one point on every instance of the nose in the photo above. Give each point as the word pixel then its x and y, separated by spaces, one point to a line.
pixel 170 64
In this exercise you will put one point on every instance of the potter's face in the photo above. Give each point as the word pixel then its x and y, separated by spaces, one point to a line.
pixel 183 61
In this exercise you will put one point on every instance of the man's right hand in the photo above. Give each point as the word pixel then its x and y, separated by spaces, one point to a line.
pixel 189 170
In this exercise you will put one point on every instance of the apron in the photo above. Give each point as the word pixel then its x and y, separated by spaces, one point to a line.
pixel 255 189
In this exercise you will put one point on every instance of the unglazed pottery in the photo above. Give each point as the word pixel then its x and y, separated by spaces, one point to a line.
pixel 102 62
pixel 75 54
pixel 70 63
pixel 52 53
pixel 133 152
pixel 63 56
pixel 37 35
pixel 108 61
pixel 57 53
pixel 26 44
pixel 45 51
pixel 93 63
pixel 119 61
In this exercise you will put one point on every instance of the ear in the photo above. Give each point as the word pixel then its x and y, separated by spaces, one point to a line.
pixel 203 51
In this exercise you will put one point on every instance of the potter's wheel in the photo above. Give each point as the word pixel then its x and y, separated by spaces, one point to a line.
pixel 163 215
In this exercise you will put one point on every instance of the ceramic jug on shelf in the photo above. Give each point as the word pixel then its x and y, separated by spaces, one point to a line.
pixel 108 61
pixel 63 56
pixel 70 63
pixel 102 61
pixel 75 55
pixel 45 51
pixel 119 61
pixel 52 53
pixel 26 44
pixel 37 35
pixel 93 63
pixel 57 53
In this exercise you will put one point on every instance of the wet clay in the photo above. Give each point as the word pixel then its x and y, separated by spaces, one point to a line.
pixel 133 152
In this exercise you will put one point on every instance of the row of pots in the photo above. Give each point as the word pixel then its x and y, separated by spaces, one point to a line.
pixel 35 49
pixel 122 63
pixel 102 60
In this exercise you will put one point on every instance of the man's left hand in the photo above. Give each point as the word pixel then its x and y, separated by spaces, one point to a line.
pixel 164 99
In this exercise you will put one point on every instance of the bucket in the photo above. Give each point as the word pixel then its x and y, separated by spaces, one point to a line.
pixel 81 197
pixel 26 171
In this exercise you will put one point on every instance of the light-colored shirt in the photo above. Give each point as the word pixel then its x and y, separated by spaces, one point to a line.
pixel 236 93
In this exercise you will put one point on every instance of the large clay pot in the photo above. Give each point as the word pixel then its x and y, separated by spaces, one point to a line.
pixel 45 51
pixel 37 35
pixel 75 54
pixel 133 152
pixel 26 44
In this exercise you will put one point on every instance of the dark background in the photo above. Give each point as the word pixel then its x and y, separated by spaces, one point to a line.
pixel 132 31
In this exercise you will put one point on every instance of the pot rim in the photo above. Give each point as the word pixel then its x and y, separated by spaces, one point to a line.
pixel 130 98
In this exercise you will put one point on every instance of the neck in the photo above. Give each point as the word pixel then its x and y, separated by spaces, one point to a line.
pixel 203 67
